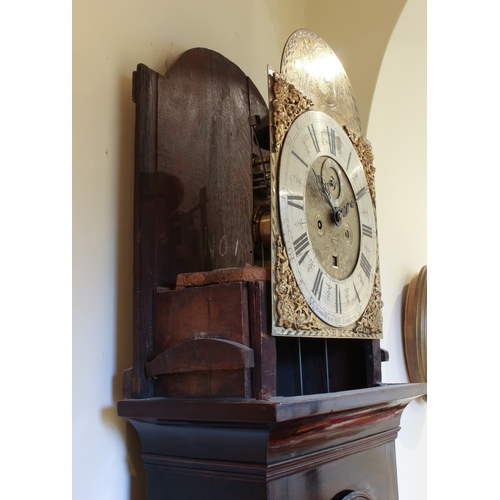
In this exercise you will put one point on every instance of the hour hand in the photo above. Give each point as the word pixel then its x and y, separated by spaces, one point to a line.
pixel 340 213
pixel 323 189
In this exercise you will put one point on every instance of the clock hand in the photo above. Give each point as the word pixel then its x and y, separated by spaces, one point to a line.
pixel 340 213
pixel 337 214
pixel 323 189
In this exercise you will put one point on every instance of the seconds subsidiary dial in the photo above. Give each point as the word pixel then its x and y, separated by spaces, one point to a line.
pixel 327 219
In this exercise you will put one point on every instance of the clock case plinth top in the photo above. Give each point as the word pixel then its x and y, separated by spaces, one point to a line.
pixel 296 448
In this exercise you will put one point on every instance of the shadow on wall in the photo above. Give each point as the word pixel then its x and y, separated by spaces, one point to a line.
pixel 124 284
pixel 138 484
pixel 137 473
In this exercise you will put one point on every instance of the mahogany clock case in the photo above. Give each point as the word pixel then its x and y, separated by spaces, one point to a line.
pixel 321 447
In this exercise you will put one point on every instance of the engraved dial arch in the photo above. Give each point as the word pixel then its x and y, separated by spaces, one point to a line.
pixel 327 219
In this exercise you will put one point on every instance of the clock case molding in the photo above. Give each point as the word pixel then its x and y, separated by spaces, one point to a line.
pixel 220 404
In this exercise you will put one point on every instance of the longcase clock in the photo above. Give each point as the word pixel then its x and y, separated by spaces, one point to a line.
pixel 236 391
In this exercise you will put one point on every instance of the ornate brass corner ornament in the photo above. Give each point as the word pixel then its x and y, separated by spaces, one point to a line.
pixel 293 311
pixel 288 103
pixel 296 317
pixel 371 321
pixel 364 150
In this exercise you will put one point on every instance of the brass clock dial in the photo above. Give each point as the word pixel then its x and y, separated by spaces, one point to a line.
pixel 327 219
pixel 325 273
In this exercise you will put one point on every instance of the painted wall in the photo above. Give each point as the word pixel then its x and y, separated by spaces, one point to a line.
pixel 358 31
pixel 397 130
pixel 109 39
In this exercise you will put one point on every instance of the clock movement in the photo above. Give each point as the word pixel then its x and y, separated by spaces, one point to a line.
pixel 257 304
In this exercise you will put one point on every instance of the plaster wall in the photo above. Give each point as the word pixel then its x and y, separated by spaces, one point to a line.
pixel 109 39
pixel 397 130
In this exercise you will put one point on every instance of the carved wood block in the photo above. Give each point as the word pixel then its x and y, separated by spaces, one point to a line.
pixel 219 311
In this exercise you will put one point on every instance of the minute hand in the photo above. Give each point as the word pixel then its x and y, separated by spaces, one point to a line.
pixel 340 213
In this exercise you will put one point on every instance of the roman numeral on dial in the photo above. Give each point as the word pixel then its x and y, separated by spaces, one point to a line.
pixel 295 200
pixel 318 284
pixel 312 133
pixel 361 192
pixel 301 244
pixel 338 300
pixel 357 294
pixel 367 231
pixel 348 161
pixel 365 265
pixel 300 159
pixel 331 141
